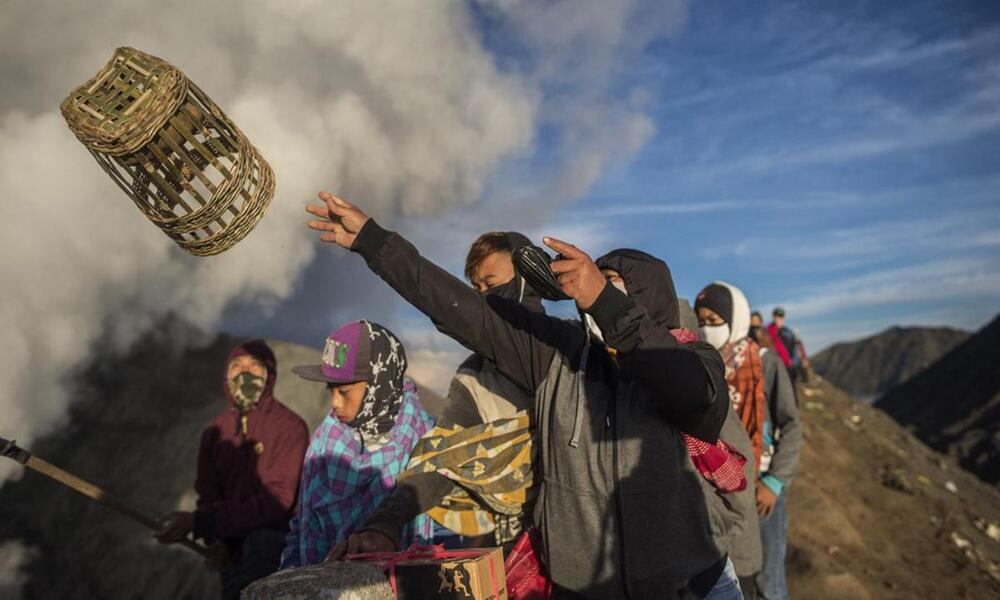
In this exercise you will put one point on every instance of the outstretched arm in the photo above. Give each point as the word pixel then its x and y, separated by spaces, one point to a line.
pixel 520 342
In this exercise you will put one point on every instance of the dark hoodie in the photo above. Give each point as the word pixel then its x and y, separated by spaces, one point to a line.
pixel 249 480
pixel 648 282
pixel 735 526
pixel 620 508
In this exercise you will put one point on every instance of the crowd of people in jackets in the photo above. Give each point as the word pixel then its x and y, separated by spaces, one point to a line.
pixel 638 458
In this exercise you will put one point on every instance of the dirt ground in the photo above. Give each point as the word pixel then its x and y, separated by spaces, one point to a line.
pixel 871 514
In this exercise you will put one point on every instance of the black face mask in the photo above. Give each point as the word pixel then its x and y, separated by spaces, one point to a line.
pixel 516 290
pixel 512 290
pixel 754 332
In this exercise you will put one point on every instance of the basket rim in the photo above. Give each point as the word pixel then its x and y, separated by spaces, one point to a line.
pixel 135 132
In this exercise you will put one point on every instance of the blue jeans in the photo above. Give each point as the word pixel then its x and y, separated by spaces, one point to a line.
pixel 771 583
pixel 727 587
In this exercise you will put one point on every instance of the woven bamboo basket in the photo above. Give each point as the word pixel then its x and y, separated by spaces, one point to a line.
pixel 187 167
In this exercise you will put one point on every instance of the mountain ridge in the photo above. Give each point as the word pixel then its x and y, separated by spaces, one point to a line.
pixel 954 405
pixel 870 366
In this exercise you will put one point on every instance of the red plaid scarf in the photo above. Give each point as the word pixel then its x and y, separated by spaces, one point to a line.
pixel 719 463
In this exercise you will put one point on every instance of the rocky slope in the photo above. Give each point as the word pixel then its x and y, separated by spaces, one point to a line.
pixel 875 513
pixel 954 405
pixel 869 367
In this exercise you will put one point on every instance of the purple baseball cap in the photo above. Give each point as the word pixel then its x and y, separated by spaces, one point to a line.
pixel 346 356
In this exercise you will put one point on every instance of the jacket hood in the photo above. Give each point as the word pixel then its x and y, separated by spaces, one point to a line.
pixel 258 349
pixel 647 282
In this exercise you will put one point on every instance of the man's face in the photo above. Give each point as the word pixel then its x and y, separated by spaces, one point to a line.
pixel 346 399
pixel 756 321
pixel 779 321
pixel 246 364
pixel 496 269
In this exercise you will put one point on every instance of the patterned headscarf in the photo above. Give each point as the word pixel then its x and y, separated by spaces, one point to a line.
pixel 384 396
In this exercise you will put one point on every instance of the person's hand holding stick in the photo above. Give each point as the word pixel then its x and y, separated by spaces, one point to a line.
pixel 174 527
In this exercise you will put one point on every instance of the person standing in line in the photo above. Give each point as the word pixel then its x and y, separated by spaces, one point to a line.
pixel 794 357
pixel 724 321
pixel 782 448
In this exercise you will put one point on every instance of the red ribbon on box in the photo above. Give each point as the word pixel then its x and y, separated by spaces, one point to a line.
pixel 389 560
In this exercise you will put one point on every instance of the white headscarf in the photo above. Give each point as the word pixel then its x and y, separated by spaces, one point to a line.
pixel 739 328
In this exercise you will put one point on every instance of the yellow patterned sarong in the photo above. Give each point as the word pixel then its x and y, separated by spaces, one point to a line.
pixel 490 465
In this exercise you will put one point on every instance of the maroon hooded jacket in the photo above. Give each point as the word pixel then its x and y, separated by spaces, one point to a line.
pixel 249 480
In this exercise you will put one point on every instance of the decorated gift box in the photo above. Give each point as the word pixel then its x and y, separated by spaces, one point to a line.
pixel 431 572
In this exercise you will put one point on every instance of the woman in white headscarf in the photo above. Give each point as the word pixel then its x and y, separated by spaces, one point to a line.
pixel 724 322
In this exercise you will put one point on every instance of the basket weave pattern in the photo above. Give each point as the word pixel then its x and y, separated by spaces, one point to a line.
pixel 167 145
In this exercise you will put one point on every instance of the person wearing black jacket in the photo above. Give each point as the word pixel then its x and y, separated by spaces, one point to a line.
pixel 620 509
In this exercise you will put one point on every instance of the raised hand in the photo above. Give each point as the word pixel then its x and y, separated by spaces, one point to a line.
pixel 339 220
pixel 578 276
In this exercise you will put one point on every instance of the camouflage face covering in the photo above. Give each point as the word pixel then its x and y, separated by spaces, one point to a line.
pixel 246 389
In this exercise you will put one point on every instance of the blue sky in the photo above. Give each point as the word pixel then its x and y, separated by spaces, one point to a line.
pixel 841 159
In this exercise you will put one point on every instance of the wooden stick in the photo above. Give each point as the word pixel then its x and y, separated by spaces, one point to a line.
pixel 11 450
